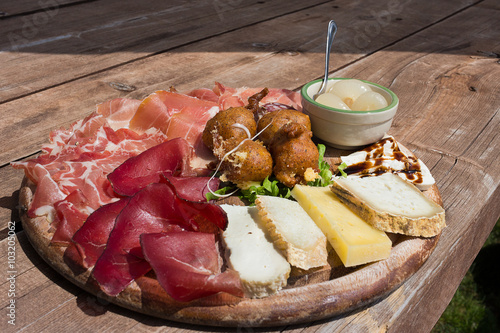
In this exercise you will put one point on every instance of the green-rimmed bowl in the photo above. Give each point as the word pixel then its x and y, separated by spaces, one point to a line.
pixel 348 129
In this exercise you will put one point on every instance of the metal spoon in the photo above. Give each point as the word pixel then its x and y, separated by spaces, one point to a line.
pixel 332 30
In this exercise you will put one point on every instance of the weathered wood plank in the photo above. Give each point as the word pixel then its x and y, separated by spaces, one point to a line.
pixel 19 7
pixel 104 34
pixel 491 4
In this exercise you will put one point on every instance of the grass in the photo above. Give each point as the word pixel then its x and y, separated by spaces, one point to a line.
pixel 475 307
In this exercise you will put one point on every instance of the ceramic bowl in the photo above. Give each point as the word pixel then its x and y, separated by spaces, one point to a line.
pixel 348 129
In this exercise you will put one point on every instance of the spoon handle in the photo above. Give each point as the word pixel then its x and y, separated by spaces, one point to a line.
pixel 332 30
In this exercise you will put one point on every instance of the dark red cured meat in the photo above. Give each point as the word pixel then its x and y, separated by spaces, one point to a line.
pixel 156 208
pixel 146 168
pixel 150 210
pixel 193 188
pixel 188 265
pixel 90 240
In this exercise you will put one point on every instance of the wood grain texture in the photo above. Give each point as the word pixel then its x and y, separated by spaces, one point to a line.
pixel 104 34
pixel 10 8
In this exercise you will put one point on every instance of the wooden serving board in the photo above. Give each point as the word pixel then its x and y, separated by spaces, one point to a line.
pixel 309 296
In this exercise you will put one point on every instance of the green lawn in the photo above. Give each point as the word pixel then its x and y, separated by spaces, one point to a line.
pixel 475 307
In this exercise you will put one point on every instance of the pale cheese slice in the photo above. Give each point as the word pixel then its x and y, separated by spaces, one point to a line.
pixel 263 269
pixel 293 232
pixel 355 241
pixel 391 204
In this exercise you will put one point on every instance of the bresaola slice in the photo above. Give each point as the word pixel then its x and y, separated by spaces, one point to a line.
pixel 150 210
pixel 146 168
pixel 90 240
pixel 188 265
pixel 193 188
pixel 154 209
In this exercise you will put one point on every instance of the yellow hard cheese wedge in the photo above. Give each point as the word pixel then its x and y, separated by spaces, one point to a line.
pixel 355 241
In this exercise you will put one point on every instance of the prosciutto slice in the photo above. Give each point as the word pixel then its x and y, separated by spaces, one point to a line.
pixel 157 109
pixel 118 111
pixel 234 97
pixel 188 265
pixel 71 215
pixel 46 194
pixel 156 208
pixel 80 158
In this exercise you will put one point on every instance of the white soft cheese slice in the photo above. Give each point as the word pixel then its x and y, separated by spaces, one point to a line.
pixel 263 269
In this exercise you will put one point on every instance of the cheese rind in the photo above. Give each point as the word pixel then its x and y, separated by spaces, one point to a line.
pixel 354 241
pixel 293 232
pixel 263 269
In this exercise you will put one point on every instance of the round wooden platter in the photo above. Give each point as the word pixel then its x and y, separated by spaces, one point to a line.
pixel 321 297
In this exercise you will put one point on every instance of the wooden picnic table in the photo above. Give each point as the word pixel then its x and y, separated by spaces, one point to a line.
pixel 59 58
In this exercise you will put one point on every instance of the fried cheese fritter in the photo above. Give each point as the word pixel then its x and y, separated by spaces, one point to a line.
pixel 226 130
pixel 276 120
pixel 250 162
pixel 294 154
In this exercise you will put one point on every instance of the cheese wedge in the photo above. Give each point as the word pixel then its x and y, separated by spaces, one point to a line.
pixel 391 204
pixel 263 269
pixel 355 241
pixel 293 232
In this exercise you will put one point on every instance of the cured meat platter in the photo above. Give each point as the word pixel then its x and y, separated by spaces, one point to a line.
pixel 346 291
pixel 309 295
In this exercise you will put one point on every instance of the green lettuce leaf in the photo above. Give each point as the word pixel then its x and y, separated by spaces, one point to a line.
pixel 270 186
pixel 325 175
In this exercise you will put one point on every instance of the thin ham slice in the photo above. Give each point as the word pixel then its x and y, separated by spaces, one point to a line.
pixel 71 214
pixel 146 168
pixel 234 97
pixel 157 109
pixel 118 111
pixel 188 265
pixel 46 194
pixel 178 116
pixel 204 94
pixel 156 208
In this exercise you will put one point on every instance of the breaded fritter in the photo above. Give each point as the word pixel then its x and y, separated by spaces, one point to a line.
pixel 276 120
pixel 225 130
pixel 250 162
pixel 294 154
